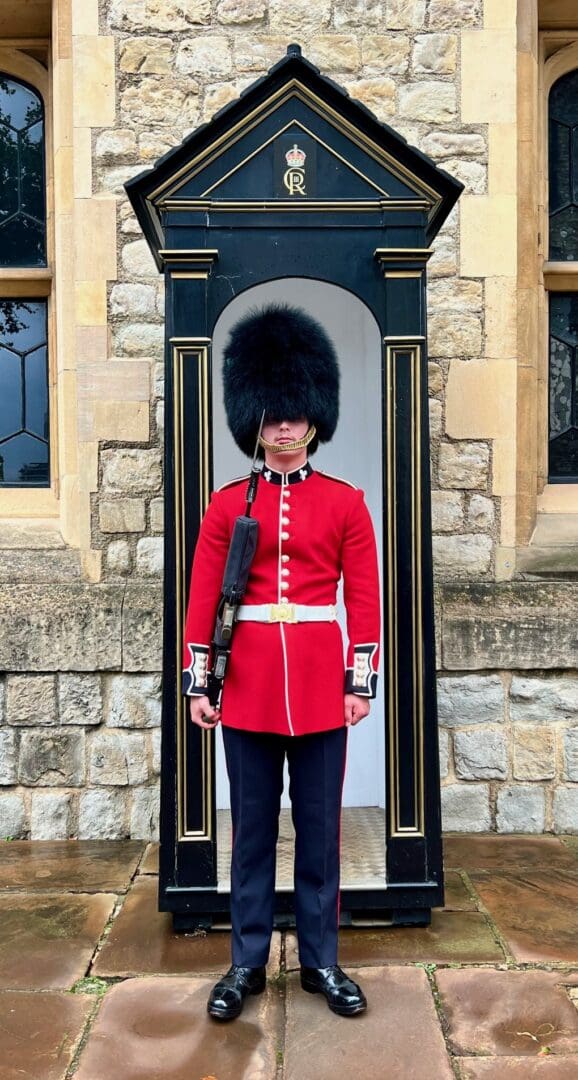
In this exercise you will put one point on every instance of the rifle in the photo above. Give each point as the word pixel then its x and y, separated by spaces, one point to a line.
pixel 239 558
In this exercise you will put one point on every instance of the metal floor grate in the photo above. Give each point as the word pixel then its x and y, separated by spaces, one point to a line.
pixel 362 848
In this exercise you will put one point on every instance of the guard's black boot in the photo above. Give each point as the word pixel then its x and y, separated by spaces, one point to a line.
pixel 343 995
pixel 227 996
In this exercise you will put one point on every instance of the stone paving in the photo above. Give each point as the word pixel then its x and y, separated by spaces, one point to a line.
pixel 95 985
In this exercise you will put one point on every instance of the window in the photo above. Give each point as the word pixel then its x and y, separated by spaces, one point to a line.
pixel 24 414
pixel 563 306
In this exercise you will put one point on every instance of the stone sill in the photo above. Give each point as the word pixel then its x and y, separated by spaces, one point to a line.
pixel 553 547
pixel 30 533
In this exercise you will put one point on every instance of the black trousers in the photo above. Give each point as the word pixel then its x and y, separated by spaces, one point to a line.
pixel 316 770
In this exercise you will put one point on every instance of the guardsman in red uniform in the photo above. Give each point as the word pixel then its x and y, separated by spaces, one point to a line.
pixel 287 690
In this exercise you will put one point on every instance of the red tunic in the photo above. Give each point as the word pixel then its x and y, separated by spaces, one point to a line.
pixel 289 678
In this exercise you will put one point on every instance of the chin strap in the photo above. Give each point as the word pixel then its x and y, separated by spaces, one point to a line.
pixel 276 448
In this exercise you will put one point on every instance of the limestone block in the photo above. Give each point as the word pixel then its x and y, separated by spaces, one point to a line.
pixel 435 418
pixel 144 818
pixel 161 298
pixel 447 511
pixel 90 303
pixel 160 416
pixel 464 556
pixel 481 755
pixel 300 17
pixel 488 76
pixel 79 699
pixel 241 12
pixel 382 52
pixel 50 815
pixel 565 810
pixel 133 701
pixel 470 699
pixel 444 261
pixel 146 55
pixel 335 52
pixel 156 751
pixel 149 555
pixel 36 566
pixel 460 295
pixel 435 378
pixel 481 399
pixel 138 261
pixel 30 700
pixel 571 754
pixel 404 14
pixel 542 701
pixel 466 808
pixel 140 339
pixel 501 314
pixel 122 515
pixel 118 557
pixel 159 380
pixel 481 512
pixel 157 515
pixel 142 628
pixel 258 54
pixel 454 335
pixel 12 816
pixel 59 627
pixel 510 625
pixel 520 809
pixel 52 758
pixel 453 144
pixel 152 144
pixel 117 380
pixel 95 218
pixel 377 94
pixel 133 300
pixel 534 754
pixel 488 241
pixel 428 101
pixel 357 12
pixel 118 144
pixel 453 13
pixel 151 102
pixel 8 756
pixel 463 465
pixel 112 180
pixel 436 53
pixel 502 159
pixel 444 752
pixel 94 81
pixel 131 470
pixel 472 174
pixel 122 421
pixel 101 815
pixel 155 15
pixel 117 759
pixel 206 54
pixel 216 97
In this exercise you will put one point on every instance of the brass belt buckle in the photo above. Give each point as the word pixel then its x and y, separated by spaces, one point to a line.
pixel 282 613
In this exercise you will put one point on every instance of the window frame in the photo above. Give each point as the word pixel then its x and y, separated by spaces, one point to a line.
pixel 35 283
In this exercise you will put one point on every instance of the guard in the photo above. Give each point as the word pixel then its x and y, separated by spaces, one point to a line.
pixel 287 689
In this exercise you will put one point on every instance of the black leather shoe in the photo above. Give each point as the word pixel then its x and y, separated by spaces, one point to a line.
pixel 227 996
pixel 343 995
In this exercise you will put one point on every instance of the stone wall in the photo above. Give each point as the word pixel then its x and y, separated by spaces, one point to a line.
pixel 80 608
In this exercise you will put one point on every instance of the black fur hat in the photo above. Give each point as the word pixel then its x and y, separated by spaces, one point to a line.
pixel 280 359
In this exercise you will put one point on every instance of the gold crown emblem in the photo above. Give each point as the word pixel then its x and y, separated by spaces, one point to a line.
pixel 295 157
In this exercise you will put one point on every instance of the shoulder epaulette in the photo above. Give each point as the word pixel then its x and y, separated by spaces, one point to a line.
pixel 235 480
pixel 340 479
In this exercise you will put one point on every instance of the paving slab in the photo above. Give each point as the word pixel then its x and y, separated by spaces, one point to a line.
pixel 46 942
pixel 457 897
pixel 453 937
pixel 150 860
pixel 508 852
pixel 142 941
pixel 158 1029
pixel 40 1033
pixel 398 1037
pixel 548 1067
pixel 508 1013
pixel 537 912
pixel 86 865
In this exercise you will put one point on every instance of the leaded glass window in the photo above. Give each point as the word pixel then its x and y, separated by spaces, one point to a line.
pixel 24 443
pixel 22 180
pixel 563 389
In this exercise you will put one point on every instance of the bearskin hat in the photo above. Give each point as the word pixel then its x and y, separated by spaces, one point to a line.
pixel 280 359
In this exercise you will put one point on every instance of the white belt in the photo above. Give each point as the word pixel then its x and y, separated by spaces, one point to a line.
pixel 286 612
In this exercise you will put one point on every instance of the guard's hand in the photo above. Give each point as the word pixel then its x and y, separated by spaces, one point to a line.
pixel 202 712
pixel 356 708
